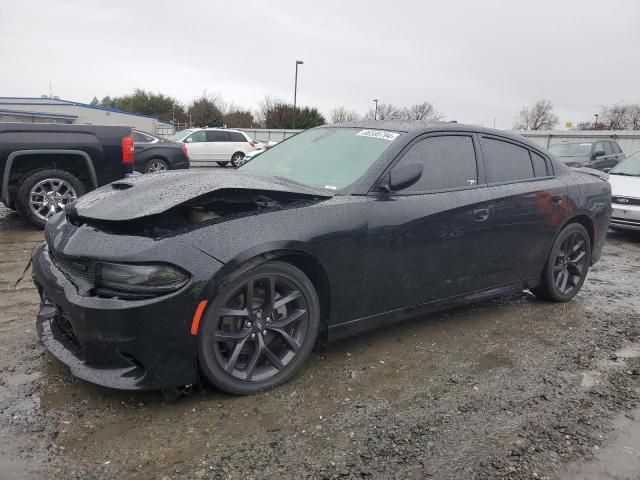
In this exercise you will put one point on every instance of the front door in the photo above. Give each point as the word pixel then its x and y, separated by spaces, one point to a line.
pixel 432 240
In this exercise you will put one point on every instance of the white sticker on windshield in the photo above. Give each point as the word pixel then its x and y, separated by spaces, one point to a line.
pixel 381 134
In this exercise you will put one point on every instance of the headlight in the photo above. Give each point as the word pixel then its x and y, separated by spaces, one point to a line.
pixel 143 279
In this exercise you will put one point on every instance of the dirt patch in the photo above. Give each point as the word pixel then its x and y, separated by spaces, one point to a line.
pixel 514 387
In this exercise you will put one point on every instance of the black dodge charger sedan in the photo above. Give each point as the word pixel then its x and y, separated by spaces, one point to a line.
pixel 157 281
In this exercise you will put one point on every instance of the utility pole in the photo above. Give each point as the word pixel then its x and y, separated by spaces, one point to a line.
pixel 295 92
pixel 375 112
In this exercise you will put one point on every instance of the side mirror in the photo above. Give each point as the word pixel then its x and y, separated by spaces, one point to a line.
pixel 403 177
pixel 190 140
pixel 599 153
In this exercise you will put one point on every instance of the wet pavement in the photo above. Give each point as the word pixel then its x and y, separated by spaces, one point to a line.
pixel 514 388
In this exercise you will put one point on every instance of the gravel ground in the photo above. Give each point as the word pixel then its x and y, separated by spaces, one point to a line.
pixel 514 388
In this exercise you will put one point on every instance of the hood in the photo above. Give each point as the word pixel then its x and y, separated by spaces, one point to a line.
pixel 624 186
pixel 144 195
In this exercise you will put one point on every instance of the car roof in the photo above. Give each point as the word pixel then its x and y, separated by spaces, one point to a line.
pixel 418 127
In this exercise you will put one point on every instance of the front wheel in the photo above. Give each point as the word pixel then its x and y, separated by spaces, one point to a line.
pixel 259 329
pixel 567 265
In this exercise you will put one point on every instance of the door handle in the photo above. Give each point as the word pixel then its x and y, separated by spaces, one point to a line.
pixel 557 199
pixel 480 214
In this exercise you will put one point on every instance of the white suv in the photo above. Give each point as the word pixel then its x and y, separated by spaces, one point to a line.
pixel 208 145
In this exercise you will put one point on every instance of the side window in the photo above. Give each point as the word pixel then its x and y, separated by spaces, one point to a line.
pixel 539 165
pixel 599 148
pixel 607 148
pixel 505 162
pixel 197 137
pixel 449 162
pixel 237 137
pixel 138 138
pixel 616 147
pixel 217 136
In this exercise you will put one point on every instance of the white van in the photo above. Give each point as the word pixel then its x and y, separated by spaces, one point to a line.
pixel 220 145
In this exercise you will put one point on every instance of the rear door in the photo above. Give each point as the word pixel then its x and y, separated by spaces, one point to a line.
pixel 218 145
pixel 530 205
pixel 433 239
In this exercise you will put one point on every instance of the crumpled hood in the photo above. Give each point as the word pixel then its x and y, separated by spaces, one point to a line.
pixel 143 195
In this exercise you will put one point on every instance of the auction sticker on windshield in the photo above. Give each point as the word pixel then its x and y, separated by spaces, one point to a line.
pixel 381 134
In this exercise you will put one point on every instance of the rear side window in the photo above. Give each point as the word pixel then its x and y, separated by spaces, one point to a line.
pixel 217 136
pixel 616 147
pixel 607 148
pixel 539 165
pixel 237 137
pixel 506 162
pixel 449 162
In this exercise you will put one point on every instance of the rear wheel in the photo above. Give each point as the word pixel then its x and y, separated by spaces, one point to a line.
pixel 259 329
pixel 236 159
pixel 156 165
pixel 567 266
pixel 44 193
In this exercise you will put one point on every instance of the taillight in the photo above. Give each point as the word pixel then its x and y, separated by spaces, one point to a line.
pixel 128 154
pixel 184 150
pixel 253 143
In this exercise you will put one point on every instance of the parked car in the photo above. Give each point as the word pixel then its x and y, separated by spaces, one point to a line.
pixel 44 167
pixel 625 194
pixel 208 145
pixel 601 154
pixel 154 154
pixel 234 275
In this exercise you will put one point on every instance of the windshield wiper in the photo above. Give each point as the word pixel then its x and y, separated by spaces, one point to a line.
pixel 625 174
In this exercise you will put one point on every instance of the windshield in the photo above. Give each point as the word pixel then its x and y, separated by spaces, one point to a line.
pixel 571 150
pixel 631 166
pixel 176 137
pixel 330 158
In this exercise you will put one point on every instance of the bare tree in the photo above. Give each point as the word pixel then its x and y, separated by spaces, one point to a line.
pixel 634 117
pixel 615 117
pixel 423 112
pixel 538 116
pixel 341 114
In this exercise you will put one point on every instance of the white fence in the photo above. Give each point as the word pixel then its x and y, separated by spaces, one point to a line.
pixel 269 134
pixel 629 140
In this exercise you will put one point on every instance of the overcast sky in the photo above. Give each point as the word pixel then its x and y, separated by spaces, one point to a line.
pixel 476 61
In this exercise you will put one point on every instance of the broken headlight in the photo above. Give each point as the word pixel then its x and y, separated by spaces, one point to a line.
pixel 139 279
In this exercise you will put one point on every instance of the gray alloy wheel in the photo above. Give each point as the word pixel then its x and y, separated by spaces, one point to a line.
pixel 236 159
pixel 49 196
pixel 156 165
pixel 260 329
pixel 567 266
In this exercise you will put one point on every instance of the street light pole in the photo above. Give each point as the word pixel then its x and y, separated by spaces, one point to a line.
pixel 375 112
pixel 596 124
pixel 295 92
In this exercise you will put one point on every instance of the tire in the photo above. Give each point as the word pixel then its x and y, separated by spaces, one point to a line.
pixel 236 159
pixel 33 190
pixel 222 164
pixel 256 350
pixel 156 165
pixel 564 273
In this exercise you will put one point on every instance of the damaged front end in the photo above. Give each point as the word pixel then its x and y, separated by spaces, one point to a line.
pixel 178 202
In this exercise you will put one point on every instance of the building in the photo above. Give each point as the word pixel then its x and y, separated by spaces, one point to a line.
pixel 56 110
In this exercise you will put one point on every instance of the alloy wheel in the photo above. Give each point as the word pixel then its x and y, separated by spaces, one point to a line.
pixel 570 264
pixel 49 196
pixel 261 328
pixel 157 166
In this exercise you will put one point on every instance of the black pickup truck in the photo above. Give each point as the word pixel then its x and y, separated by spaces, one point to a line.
pixel 43 167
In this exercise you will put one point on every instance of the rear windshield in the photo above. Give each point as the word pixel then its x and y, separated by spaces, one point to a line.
pixel 330 158
pixel 571 150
